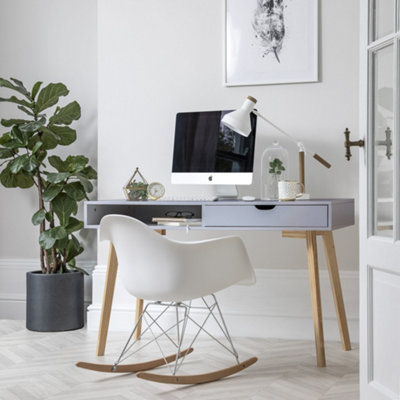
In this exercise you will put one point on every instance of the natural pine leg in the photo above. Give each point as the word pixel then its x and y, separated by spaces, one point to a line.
pixel 112 266
pixel 315 296
pixel 336 289
pixel 139 310
pixel 139 302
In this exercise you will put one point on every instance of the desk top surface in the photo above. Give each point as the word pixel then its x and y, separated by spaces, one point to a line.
pixel 223 202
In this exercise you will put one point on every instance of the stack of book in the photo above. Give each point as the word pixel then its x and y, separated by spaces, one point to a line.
pixel 177 221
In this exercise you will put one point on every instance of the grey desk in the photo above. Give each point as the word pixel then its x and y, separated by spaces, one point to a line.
pixel 300 219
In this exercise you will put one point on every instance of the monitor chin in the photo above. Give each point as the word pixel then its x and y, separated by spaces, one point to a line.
pixel 212 178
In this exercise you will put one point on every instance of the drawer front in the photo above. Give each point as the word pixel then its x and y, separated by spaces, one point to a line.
pixel 285 216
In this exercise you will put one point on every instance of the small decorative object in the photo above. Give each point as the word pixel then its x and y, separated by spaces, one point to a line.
pixel 274 41
pixel 155 191
pixel 136 188
pixel 274 164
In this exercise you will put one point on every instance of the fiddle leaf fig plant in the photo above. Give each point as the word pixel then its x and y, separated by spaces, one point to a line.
pixel 25 162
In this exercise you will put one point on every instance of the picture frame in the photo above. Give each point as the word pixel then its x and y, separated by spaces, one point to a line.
pixel 270 42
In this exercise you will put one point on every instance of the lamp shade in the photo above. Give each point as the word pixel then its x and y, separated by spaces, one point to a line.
pixel 239 120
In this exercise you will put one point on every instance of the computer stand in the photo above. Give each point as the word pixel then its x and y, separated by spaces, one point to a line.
pixel 225 192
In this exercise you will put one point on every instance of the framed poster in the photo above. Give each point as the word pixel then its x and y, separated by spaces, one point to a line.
pixel 271 41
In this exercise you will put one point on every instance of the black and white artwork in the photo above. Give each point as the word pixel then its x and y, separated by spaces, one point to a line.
pixel 271 41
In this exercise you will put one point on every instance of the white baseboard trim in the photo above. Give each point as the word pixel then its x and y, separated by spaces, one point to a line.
pixel 277 306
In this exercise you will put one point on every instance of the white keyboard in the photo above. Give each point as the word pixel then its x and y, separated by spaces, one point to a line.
pixel 189 198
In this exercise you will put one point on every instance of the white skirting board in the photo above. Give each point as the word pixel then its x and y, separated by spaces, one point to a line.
pixel 278 306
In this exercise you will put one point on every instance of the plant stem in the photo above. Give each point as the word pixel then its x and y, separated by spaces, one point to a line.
pixel 42 224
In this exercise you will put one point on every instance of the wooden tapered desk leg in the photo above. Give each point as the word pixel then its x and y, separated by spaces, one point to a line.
pixel 336 289
pixel 139 302
pixel 139 310
pixel 111 274
pixel 315 297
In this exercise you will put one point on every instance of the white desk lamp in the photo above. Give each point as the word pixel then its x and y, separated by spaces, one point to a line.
pixel 239 121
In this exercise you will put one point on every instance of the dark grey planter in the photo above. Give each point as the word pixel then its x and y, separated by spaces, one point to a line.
pixel 54 302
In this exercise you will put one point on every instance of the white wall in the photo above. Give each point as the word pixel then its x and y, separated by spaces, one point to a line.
pixel 157 58
pixel 50 41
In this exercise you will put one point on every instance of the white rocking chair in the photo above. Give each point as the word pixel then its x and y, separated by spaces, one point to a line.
pixel 170 274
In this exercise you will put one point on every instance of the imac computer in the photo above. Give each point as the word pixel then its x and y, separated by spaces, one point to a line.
pixel 207 152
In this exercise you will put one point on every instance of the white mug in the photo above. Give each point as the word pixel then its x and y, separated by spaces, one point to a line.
pixel 290 190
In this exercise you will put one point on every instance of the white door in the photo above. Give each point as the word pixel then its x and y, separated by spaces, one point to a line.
pixel 380 200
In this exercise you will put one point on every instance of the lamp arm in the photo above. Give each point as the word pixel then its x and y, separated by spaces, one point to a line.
pixel 300 145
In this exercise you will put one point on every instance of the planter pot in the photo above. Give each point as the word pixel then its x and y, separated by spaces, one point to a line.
pixel 54 302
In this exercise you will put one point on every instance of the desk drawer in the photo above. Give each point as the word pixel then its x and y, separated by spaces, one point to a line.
pixel 275 216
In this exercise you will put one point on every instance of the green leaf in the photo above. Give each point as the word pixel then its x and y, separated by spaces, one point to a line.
pixel 85 183
pixel 6 153
pixel 5 138
pixel 61 244
pixel 33 126
pixel 10 122
pixel 35 89
pixel 89 172
pixel 7 178
pixel 50 95
pixel 67 114
pixel 19 86
pixel 66 135
pixel 75 190
pixel 41 155
pixel 37 146
pixel 51 192
pixel 24 180
pixel 10 180
pixel 64 206
pixel 21 138
pixel 58 164
pixel 39 217
pixel 74 225
pixel 15 100
pixel 72 265
pixel 76 163
pixel 74 248
pixel 50 139
pixel 48 238
pixel 26 111
pixel 31 164
pixel 18 163
pixel 57 177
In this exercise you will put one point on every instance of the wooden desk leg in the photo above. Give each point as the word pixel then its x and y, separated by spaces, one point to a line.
pixel 139 310
pixel 336 289
pixel 139 302
pixel 315 297
pixel 111 274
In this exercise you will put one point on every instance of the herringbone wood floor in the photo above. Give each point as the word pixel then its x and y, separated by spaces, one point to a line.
pixel 41 366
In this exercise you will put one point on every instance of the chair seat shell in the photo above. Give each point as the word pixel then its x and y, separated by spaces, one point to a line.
pixel 153 267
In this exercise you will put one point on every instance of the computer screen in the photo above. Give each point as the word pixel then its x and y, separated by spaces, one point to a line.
pixel 207 152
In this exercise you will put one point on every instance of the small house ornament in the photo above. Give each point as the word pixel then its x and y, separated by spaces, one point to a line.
pixel 136 188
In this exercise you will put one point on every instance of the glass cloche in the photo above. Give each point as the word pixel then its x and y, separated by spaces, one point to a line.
pixel 274 167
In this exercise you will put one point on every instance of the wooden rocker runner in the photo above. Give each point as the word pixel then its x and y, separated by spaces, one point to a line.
pixel 173 273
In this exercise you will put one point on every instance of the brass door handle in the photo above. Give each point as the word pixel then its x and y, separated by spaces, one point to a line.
pixel 348 143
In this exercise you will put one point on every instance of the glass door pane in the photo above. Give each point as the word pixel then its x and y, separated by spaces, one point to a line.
pixel 381 139
pixel 383 17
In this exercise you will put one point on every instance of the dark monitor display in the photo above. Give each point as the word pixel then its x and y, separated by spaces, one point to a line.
pixel 203 145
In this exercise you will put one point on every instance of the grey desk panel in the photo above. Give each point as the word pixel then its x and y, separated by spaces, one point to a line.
pixel 315 214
